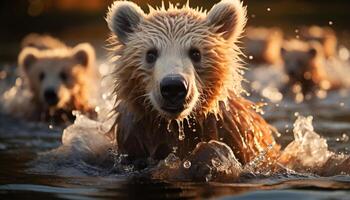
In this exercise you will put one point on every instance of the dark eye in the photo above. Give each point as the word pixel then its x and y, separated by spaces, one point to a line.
pixel 195 55
pixel 63 76
pixel 151 56
pixel 41 76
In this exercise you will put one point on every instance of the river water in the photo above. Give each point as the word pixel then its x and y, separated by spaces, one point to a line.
pixel 23 142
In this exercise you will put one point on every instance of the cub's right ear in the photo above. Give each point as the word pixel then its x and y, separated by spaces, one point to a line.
pixel 27 58
pixel 123 18
pixel 85 54
pixel 228 17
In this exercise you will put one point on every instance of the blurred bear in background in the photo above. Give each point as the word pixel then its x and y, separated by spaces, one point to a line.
pixel 58 77
pixel 305 65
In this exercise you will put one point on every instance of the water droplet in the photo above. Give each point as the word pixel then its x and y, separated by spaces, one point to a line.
pixel 168 127
pixel 129 168
pixel 216 162
pixel 250 57
pixel 50 126
pixel 344 53
pixel 181 129
pixel 181 136
pixel 97 109
pixel 172 161
pixel 342 104
pixel 208 177
pixel 344 137
pixel 174 149
pixel 330 23
pixel 187 164
pixel 268 9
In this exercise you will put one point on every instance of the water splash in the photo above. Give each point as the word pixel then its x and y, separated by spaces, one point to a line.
pixel 308 150
pixel 17 99
pixel 172 161
pixel 180 124
pixel 187 164
pixel 253 165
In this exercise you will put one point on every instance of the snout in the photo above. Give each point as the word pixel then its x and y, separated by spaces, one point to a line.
pixel 51 97
pixel 174 90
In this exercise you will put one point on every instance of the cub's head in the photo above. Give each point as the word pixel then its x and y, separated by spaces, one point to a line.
pixel 303 61
pixel 56 76
pixel 177 61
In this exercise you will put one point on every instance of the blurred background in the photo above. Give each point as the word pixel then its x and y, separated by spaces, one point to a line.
pixel 75 21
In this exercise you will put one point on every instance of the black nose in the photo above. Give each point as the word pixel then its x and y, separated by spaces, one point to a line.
pixel 292 73
pixel 51 97
pixel 174 89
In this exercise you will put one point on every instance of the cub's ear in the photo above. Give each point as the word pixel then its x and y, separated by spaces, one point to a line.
pixel 315 49
pixel 228 18
pixel 123 18
pixel 85 54
pixel 27 58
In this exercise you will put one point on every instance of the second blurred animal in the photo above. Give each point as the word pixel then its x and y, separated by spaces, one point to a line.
pixel 59 77
pixel 305 64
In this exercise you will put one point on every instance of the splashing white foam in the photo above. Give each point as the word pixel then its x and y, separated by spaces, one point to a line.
pixel 86 137
pixel 308 150
pixel 17 100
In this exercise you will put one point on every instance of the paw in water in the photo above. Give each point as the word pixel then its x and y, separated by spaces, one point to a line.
pixel 209 161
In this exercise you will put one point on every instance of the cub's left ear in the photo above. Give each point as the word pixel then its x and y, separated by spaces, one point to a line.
pixel 27 58
pixel 228 18
pixel 85 54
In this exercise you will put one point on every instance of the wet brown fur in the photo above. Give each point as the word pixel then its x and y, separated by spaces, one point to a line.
pixel 238 126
